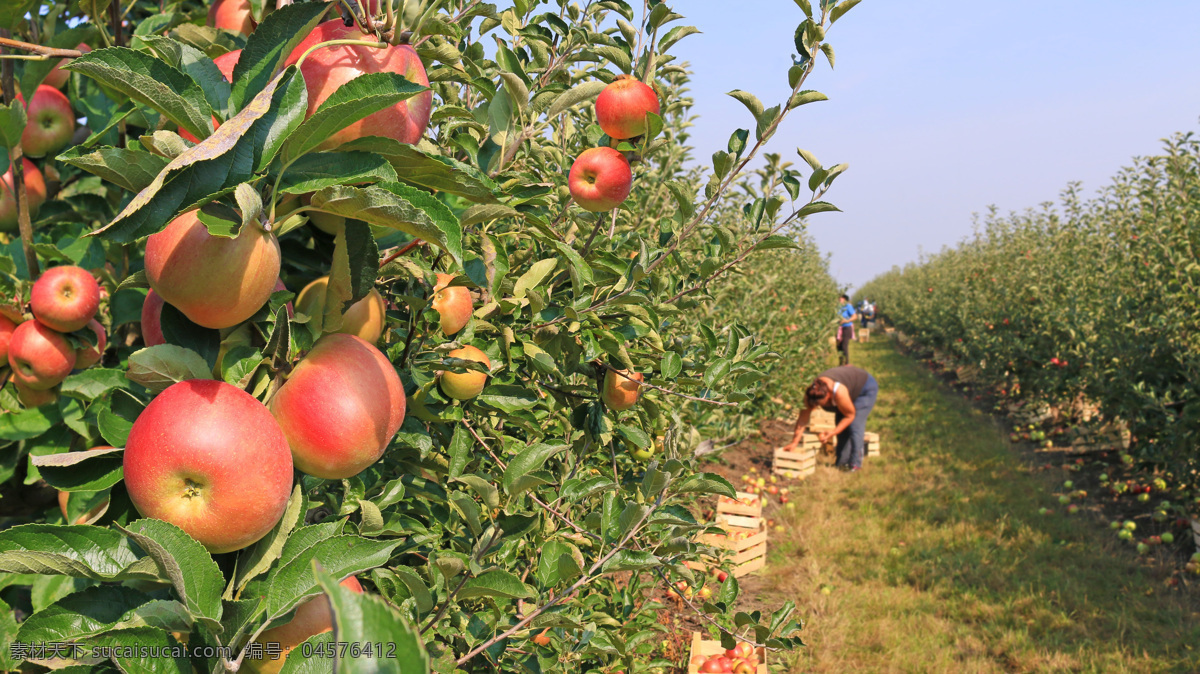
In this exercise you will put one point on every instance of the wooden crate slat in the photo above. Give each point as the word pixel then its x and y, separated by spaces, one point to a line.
pixel 744 556
pixel 739 521
pixel 742 506
pixel 749 567
pixel 796 474
pixel 728 543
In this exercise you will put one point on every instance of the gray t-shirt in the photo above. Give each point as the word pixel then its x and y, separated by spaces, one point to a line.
pixel 853 378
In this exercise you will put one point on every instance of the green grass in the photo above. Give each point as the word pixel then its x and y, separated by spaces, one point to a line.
pixel 935 558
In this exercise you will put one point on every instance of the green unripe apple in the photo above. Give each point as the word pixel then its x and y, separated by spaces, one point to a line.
pixel 1068 484
pixel 1125 535
pixel 1130 525
pixel 1064 499
pixel 1168 537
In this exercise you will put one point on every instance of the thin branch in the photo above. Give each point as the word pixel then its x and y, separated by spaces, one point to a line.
pixel 409 246
pixel 47 52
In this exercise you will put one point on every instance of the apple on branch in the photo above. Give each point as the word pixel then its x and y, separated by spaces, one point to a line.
pixel 35 192
pixel 465 385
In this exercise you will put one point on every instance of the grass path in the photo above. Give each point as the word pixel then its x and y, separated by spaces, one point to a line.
pixel 935 559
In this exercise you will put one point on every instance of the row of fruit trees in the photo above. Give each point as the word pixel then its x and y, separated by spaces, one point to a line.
pixel 1090 306
pixel 400 318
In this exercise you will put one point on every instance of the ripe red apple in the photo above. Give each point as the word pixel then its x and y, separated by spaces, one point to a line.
pixel 31 398
pixel 621 389
pixel 313 616
pixel 622 106
pixel 465 385
pixel 453 304
pixel 58 77
pixel 187 135
pixel 64 496
pixel 216 282
pixel 718 664
pixel 227 62
pixel 340 407
pixel 50 125
pixel 328 68
pixel 152 333
pixel 86 357
pixel 40 357
pixel 35 191
pixel 7 326
pixel 600 179
pixel 721 576
pixel 65 298
pixel 365 318
pixel 210 459
pixel 231 15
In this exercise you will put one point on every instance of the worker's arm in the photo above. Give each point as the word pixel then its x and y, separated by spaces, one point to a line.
pixel 846 407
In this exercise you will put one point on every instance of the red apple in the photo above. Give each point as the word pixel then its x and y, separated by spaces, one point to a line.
pixel 65 298
pixel 7 326
pixel 328 68
pixel 465 385
pixel 622 106
pixel 231 15
pixel 718 664
pixel 31 398
pixel 152 333
pixel 40 357
pixel 216 282
pixel 365 318
pixel 210 459
pixel 58 77
pixel 51 122
pixel 187 135
pixel 86 357
pixel 35 191
pixel 340 407
pixel 452 303
pixel 621 389
pixel 600 179
pixel 721 576
pixel 313 616
pixel 64 496
pixel 227 62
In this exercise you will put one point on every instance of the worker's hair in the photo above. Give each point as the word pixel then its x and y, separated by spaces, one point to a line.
pixel 816 392
pixel 846 297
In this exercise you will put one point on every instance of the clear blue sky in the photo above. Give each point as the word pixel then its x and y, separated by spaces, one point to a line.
pixel 942 108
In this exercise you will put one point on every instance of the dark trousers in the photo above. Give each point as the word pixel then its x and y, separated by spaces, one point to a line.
pixel 845 335
pixel 850 444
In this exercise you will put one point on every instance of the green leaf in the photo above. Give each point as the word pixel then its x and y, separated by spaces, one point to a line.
pixel 256 559
pixel 809 158
pixel 367 619
pixel 530 459
pixel 495 583
pixel 85 614
pixel 91 470
pixel 777 241
pixel 12 126
pixel 396 206
pixel 749 100
pixel 343 555
pixel 460 450
pixel 81 551
pixel 580 93
pixel 93 383
pixel 28 424
pixel 130 169
pixel 141 650
pixel 675 35
pixel 317 170
pixel 671 365
pixel 508 398
pixel 151 82
pixel 705 483
pixel 806 97
pixel 195 64
pixel 444 174
pixel 157 367
pixel 840 10
pixel 817 207
pixel 12 13
pixel 716 371
pixel 269 46
pixel 185 562
pixel 534 277
pixel 631 560
pixel 362 96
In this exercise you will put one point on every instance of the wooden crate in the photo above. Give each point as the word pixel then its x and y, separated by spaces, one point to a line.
pixel 798 464
pixel 1196 531
pixel 864 334
pixel 872 442
pixel 747 547
pixel 707 647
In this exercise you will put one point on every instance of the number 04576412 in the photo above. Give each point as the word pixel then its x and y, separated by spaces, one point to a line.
pixel 349 649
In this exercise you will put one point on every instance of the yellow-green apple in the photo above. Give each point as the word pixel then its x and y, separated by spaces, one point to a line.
pixel 35 191
pixel 621 389
pixel 642 453
pixel 465 385
pixel 88 356
pixel 210 459
pixel 340 407
pixel 58 77
pixel 313 616
pixel 40 357
pixel 65 298
pixel 452 303
pixel 231 15
pixel 328 68
pixel 7 326
pixel 622 106
pixel 600 179
pixel 64 497
pixel 31 398
pixel 50 125
pixel 217 282
pixel 227 62
pixel 364 318
pixel 152 333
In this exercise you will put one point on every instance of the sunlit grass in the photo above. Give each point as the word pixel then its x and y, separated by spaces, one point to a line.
pixel 935 559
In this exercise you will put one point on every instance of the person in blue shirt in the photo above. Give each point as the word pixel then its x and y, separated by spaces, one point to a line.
pixel 845 334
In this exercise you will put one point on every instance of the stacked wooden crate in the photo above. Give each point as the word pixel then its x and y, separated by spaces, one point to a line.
pixel 864 334
pixel 872 442
pixel 800 463
pixel 703 649
pixel 745 532
pixel 822 421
